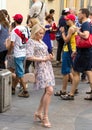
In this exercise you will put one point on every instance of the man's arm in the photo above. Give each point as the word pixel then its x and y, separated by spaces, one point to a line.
pixel 84 34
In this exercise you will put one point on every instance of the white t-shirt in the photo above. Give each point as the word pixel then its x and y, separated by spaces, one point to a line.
pixel 19 48
pixel 35 9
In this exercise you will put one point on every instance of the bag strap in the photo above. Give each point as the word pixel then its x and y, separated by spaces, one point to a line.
pixel 27 32
pixel 41 8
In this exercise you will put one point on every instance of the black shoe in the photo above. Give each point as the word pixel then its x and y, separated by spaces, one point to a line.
pixel 90 92
pixel 76 91
pixel 23 94
pixel 88 98
pixel 67 97
pixel 13 91
pixel 59 93
pixel 88 82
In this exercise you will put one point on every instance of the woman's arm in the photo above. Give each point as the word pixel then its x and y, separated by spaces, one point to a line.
pixel 38 59
pixel 68 36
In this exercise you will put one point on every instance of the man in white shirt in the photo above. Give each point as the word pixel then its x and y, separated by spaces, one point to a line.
pixel 18 40
pixel 38 10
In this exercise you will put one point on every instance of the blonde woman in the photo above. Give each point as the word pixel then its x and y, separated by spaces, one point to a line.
pixel 37 51
pixel 31 21
pixel 29 24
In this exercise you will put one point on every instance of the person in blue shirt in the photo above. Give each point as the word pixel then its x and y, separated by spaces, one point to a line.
pixel 61 23
pixel 4 33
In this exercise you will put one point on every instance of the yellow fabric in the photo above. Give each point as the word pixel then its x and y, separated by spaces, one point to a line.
pixel 72 43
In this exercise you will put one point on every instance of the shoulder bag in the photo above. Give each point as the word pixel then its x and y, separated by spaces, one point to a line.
pixel 83 43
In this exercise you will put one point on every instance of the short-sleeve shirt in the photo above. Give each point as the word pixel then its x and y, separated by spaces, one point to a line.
pixel 19 47
pixel 36 9
pixel 62 22
pixel 4 33
pixel 85 27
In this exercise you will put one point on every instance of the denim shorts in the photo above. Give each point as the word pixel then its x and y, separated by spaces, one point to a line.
pixel 19 66
pixel 66 63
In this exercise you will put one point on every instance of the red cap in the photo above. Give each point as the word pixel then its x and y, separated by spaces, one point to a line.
pixel 18 17
pixel 70 17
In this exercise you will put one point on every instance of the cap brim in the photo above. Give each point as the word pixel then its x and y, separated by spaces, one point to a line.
pixel 66 18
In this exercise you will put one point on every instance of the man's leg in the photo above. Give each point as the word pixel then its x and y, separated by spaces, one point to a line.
pixel 59 49
pixel 65 81
pixel 89 74
pixel 76 78
pixel 75 82
pixel 19 63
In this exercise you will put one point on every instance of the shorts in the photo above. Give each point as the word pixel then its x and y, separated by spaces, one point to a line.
pixel 66 63
pixel 83 60
pixel 19 66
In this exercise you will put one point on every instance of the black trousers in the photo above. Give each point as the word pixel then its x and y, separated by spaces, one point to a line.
pixel 2 59
pixel 28 62
pixel 59 49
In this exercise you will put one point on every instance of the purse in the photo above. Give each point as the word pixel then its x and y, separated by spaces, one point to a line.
pixel 83 43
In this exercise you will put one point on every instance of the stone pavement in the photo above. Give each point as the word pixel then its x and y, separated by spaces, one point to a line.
pixel 64 115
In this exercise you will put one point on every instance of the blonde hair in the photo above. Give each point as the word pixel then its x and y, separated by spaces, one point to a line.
pixel 36 28
pixel 34 21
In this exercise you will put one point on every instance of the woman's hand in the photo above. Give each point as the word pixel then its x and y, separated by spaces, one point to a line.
pixel 73 54
pixel 62 29
pixel 49 57
pixel 77 29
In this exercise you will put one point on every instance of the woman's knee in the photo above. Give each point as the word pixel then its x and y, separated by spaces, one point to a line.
pixel 49 90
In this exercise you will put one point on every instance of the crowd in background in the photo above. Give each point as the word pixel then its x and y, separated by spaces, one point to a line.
pixel 32 44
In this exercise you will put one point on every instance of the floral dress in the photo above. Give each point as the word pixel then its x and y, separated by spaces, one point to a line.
pixel 43 70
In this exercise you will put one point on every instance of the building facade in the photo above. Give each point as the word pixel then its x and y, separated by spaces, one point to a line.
pixel 58 5
pixel 23 6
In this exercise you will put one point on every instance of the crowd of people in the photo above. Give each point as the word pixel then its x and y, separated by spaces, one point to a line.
pixel 33 43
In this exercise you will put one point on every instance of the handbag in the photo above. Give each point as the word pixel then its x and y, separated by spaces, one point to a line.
pixel 83 43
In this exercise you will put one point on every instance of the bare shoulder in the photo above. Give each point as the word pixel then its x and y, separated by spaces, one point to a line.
pixel 72 29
